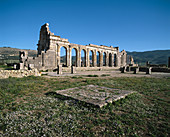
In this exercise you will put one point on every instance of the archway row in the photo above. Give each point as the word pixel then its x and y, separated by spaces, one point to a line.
pixel 83 58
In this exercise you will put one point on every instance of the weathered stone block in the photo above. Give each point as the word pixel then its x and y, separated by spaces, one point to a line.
pixel 128 69
pixel 15 66
pixel 59 70
pixel 136 70
pixel 73 69
pixel 148 70
pixel 100 69
pixel 123 70
pixel 95 95
pixel 30 66
pixel 21 65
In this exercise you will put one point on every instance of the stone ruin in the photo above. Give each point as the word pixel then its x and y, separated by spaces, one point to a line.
pixel 48 54
pixel 19 73
pixel 94 95
pixel 131 61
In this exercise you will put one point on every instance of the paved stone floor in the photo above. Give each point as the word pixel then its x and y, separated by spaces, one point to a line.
pixel 95 95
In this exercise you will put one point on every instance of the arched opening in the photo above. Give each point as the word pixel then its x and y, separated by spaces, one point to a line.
pixel 110 59
pixel 115 57
pixel 104 58
pixel 63 56
pixel 74 57
pixel 98 59
pixel 91 58
pixel 83 58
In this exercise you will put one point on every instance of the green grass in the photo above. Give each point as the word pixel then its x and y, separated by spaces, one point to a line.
pixel 5 67
pixel 26 110
pixel 104 75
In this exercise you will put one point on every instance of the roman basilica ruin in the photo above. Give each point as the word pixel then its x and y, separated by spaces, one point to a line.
pixel 49 54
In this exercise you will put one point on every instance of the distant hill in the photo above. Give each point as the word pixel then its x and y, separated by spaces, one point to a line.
pixel 154 57
pixel 12 54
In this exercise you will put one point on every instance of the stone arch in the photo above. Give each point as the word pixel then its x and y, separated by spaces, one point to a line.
pixel 74 56
pixel 104 58
pixel 83 58
pixel 91 58
pixel 98 54
pixel 110 59
pixel 63 56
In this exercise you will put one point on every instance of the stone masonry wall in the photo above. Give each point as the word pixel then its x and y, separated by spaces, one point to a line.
pixel 18 73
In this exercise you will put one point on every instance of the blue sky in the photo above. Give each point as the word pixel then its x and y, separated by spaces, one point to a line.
pixel 133 25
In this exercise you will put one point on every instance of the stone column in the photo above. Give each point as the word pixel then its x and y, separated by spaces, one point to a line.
pixel 56 62
pixel 73 69
pixel 136 70
pixel 123 69
pixel 94 59
pixel 86 58
pixel 123 59
pixel 88 61
pixel 79 57
pixel 21 65
pixel 69 56
pixel 59 71
pixel 107 59
pixel 58 55
pixel 148 70
pixel 118 60
pixel 112 59
pixel 128 69
pixel 101 59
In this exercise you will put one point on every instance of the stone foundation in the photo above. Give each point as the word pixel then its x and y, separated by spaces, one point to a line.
pixel 18 73
pixel 94 95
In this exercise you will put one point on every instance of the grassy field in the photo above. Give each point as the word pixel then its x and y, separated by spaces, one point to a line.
pixel 28 107
pixel 5 67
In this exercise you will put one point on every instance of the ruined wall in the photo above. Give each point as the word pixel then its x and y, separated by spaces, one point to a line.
pixel 18 73
pixel 49 47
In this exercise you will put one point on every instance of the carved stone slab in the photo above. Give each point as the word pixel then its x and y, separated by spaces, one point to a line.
pixel 94 94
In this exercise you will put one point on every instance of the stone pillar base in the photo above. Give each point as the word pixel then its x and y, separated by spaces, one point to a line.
pixel 59 71
pixel 123 70
pixel 136 70
pixel 128 69
pixel 148 70
pixel 73 69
